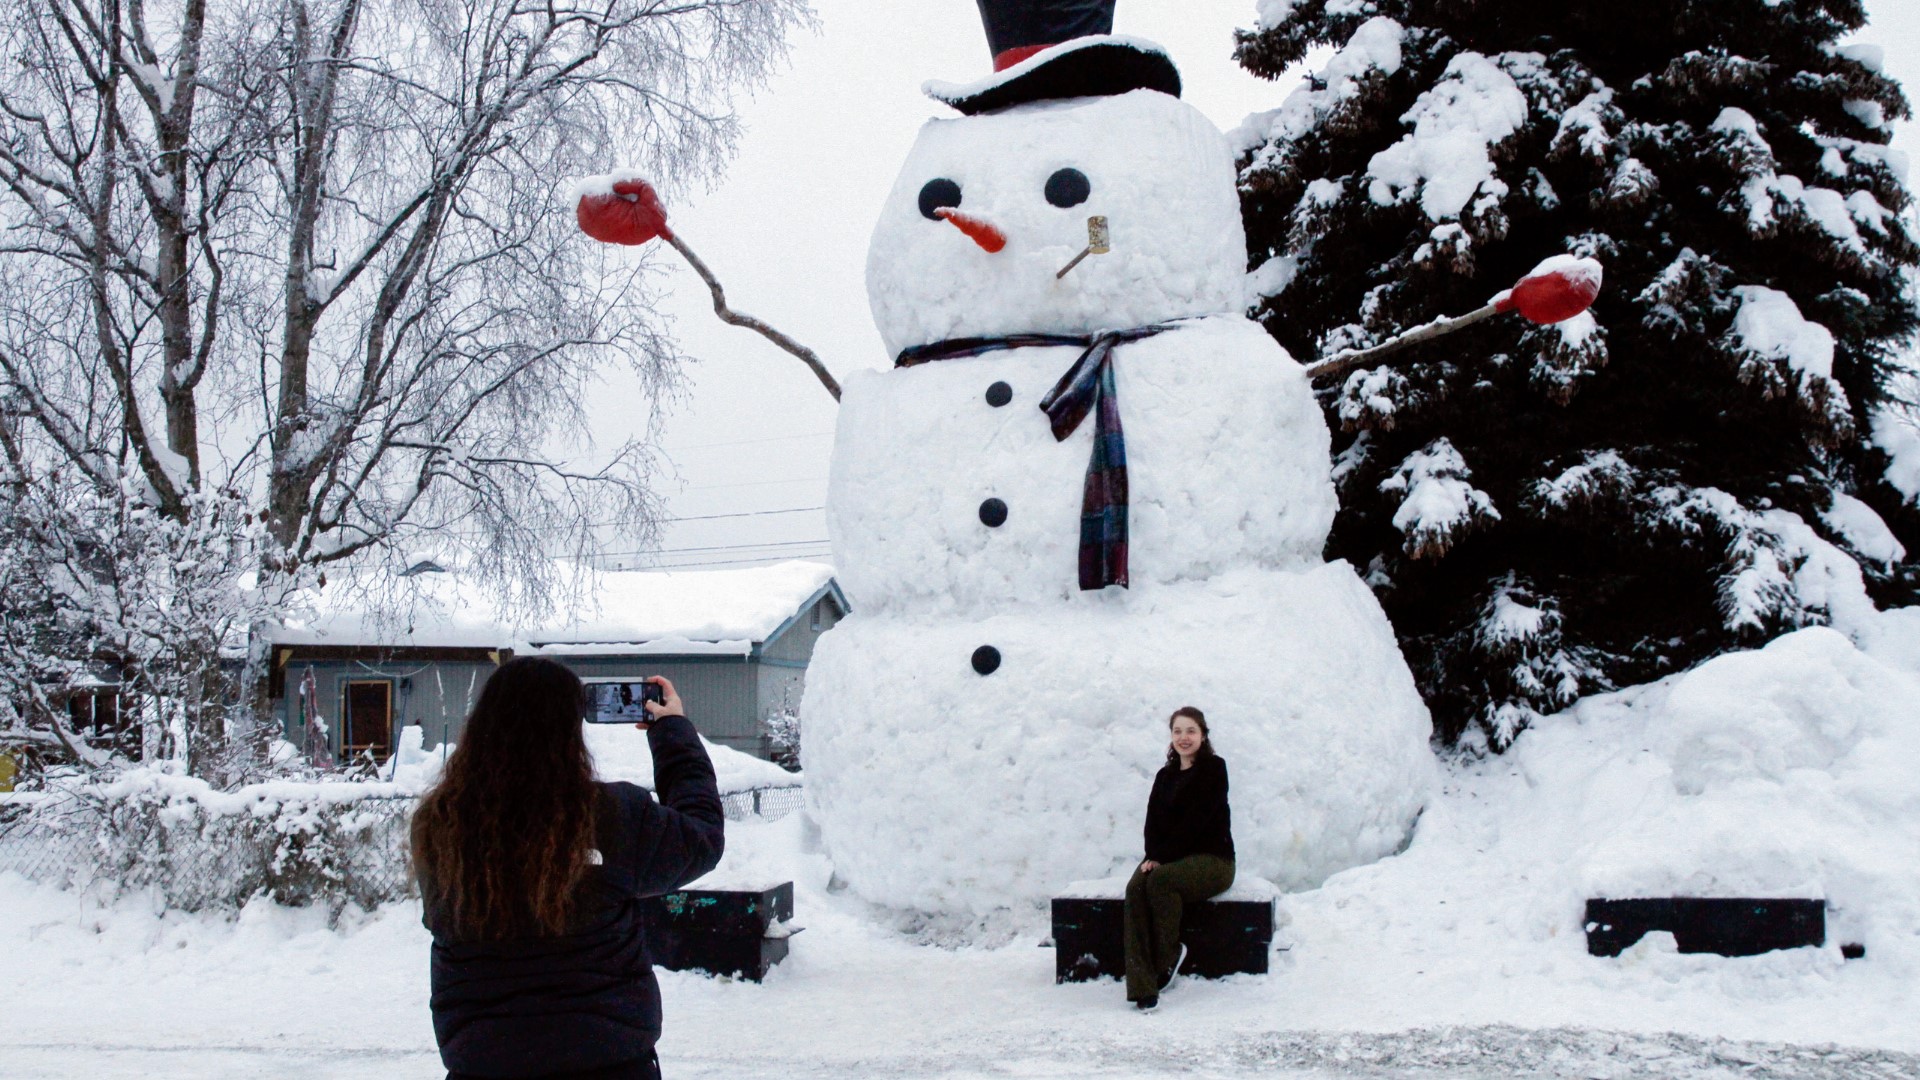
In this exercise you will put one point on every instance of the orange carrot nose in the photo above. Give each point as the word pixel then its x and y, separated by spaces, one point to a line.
pixel 978 231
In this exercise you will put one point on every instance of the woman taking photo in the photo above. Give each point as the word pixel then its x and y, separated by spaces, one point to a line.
pixel 1189 856
pixel 531 874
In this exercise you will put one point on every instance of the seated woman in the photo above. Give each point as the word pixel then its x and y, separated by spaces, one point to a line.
pixel 1189 856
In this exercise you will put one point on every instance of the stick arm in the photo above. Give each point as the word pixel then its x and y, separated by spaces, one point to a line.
pixel 728 315
pixel 1341 363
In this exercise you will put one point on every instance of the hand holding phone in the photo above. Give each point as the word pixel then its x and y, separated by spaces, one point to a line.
pixel 661 699
pixel 623 702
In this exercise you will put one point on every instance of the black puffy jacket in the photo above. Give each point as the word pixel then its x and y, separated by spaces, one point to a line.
pixel 586 999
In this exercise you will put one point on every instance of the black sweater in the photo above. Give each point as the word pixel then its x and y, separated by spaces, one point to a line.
pixel 586 999
pixel 1187 813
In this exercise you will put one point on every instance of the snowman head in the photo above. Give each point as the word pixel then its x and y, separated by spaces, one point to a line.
pixel 988 208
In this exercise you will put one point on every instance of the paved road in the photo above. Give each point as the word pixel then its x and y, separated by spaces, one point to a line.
pixel 1457 1053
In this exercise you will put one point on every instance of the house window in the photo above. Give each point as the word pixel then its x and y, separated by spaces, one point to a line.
pixel 819 615
pixel 97 715
pixel 94 712
pixel 367 719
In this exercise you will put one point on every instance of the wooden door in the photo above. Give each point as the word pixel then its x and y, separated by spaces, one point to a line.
pixel 368 719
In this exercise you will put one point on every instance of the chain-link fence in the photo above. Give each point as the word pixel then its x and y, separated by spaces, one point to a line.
pixel 333 851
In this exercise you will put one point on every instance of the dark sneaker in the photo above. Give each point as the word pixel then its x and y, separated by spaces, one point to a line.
pixel 1148 1004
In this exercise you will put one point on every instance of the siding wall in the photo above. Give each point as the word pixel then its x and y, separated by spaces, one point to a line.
pixel 729 697
pixel 437 695
pixel 718 691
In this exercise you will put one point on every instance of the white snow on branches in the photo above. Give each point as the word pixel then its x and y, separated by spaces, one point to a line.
pixel 1271 13
pixel 1373 47
pixel 1448 157
pixel 1784 573
pixel 1770 197
pixel 1769 329
pixel 1602 474
pixel 1900 441
pixel 1586 124
pixel 1863 530
pixel 1509 622
pixel 1438 505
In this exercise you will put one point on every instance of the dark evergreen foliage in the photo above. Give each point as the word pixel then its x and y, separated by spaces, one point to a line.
pixel 1550 511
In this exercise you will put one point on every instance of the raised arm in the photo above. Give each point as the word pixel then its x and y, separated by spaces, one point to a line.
pixel 683 835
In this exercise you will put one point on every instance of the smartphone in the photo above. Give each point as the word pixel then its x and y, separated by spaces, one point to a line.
pixel 622 702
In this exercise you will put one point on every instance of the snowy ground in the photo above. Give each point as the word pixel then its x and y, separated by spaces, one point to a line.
pixel 1785 771
pixel 112 990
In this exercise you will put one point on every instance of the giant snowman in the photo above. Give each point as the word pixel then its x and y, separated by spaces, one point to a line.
pixel 1052 536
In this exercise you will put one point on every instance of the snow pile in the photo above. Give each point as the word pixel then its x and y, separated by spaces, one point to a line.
pixel 1787 771
pixel 1448 157
pixel 710 611
pixel 1158 171
pixel 621 752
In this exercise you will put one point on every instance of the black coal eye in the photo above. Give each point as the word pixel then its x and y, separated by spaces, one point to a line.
pixel 936 195
pixel 1068 187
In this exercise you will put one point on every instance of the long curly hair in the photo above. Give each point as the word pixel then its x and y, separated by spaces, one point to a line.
pixel 508 833
pixel 1206 734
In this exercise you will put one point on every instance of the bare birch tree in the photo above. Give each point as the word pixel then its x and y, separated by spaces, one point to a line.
pixel 290 279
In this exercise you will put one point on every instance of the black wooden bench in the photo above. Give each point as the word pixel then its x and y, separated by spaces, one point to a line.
pixel 1702 924
pixel 737 932
pixel 1232 934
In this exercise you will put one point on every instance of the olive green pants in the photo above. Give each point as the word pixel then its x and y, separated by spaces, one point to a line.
pixel 1154 903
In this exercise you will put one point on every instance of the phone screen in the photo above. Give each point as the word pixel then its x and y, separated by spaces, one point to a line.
pixel 620 702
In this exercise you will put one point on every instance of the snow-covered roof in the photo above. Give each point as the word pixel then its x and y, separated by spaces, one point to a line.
pixel 711 612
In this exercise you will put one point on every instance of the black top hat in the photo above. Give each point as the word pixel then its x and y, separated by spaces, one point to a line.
pixel 1057 49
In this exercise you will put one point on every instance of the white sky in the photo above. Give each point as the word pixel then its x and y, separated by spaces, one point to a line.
pixel 786 232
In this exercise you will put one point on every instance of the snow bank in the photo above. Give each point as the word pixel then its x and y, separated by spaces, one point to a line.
pixel 1785 771
pixel 1159 172
pixel 621 753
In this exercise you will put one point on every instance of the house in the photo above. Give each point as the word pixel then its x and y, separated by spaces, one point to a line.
pixel 735 643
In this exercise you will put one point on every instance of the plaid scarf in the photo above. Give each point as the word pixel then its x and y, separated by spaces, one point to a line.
pixel 1087 386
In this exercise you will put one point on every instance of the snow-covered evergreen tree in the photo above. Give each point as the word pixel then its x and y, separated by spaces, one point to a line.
pixel 1550 511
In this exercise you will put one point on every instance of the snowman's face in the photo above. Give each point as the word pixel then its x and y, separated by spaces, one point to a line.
pixel 989 208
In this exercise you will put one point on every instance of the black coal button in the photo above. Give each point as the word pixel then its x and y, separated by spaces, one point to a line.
pixel 999 394
pixel 986 659
pixel 993 513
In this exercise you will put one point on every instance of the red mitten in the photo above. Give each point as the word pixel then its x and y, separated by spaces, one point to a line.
pixel 1556 291
pixel 629 214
